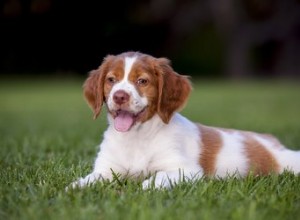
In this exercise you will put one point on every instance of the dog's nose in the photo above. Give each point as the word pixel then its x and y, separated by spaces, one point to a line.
pixel 120 97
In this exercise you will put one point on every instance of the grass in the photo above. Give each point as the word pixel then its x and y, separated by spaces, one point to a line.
pixel 48 139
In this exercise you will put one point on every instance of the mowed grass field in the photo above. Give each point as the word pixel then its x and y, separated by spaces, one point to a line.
pixel 48 139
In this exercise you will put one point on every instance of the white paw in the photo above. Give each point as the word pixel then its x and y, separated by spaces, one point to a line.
pixel 169 179
pixel 157 182
pixel 83 182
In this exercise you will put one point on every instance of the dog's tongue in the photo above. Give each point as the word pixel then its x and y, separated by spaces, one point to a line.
pixel 124 121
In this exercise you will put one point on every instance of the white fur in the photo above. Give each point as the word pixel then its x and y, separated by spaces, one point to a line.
pixel 128 63
pixel 231 158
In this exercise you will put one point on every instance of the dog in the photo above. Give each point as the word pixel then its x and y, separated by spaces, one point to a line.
pixel 147 137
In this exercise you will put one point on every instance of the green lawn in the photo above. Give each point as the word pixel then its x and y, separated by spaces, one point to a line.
pixel 48 139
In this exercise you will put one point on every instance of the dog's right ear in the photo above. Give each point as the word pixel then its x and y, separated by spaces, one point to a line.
pixel 94 85
pixel 93 92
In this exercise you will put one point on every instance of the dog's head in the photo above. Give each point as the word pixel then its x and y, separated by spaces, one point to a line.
pixel 135 87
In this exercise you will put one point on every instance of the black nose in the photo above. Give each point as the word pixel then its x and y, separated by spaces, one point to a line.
pixel 120 97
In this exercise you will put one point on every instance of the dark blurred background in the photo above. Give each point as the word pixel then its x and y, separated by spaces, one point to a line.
pixel 208 38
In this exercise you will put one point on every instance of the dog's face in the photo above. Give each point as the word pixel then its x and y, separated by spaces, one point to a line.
pixel 135 87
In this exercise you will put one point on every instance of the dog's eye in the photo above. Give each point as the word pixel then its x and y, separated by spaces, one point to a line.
pixel 111 80
pixel 142 82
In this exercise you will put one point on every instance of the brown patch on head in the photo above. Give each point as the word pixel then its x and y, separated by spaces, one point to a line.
pixel 173 89
pixel 165 90
pixel 115 73
pixel 261 161
pixel 96 87
pixel 145 80
pixel 211 143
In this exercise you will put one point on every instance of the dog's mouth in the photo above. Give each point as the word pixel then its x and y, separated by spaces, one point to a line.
pixel 124 120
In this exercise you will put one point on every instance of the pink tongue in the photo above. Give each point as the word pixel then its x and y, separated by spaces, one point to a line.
pixel 123 121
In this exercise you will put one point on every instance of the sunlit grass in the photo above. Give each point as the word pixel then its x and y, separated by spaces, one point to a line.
pixel 48 139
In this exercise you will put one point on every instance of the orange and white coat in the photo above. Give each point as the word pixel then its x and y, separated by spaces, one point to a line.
pixel 147 137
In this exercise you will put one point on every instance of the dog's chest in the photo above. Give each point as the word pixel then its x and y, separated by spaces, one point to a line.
pixel 152 147
pixel 132 156
pixel 137 161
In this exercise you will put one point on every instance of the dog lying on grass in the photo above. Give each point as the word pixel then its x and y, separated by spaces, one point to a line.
pixel 146 135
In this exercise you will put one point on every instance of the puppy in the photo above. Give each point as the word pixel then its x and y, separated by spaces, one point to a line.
pixel 147 137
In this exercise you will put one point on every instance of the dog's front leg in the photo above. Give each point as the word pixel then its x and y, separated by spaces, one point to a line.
pixel 90 179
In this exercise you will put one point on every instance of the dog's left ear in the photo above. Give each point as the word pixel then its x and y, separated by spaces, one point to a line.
pixel 173 89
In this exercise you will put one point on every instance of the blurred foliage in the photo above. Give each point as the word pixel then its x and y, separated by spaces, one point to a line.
pixel 209 60
pixel 206 37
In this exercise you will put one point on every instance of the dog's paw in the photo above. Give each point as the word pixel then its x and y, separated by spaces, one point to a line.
pixel 158 182
pixel 83 182
pixel 170 179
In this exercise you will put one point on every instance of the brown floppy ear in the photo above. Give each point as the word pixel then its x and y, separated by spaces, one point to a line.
pixel 93 87
pixel 173 90
pixel 93 91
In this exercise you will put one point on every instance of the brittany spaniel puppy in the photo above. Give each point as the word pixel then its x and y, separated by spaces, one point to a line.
pixel 148 138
